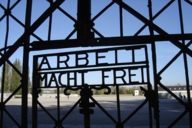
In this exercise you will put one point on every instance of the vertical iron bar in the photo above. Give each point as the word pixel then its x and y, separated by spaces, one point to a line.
pixel 133 55
pixel 2 105
pixel 118 108
pixel 84 23
pixel 50 23
pixel 83 26
pixel 35 92
pixel 154 61
pixel 119 124
pixel 185 63
pixel 150 90
pixel 59 123
pixel 87 116
pixel 25 74
pixel 85 105
pixel 2 96
pixel 121 20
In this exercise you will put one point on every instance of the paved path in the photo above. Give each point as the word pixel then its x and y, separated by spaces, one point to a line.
pixel 170 109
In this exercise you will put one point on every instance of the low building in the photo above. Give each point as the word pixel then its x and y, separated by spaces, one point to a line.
pixel 180 91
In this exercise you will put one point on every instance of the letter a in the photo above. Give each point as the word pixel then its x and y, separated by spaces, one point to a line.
pixel 44 62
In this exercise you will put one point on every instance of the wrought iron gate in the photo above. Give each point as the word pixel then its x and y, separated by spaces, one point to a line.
pixel 19 28
pixel 46 75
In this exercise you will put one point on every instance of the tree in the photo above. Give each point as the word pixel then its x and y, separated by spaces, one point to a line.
pixel 15 77
pixel 7 81
pixel 7 77
pixel 29 83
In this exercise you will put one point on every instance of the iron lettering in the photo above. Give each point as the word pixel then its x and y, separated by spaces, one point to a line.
pixel 92 67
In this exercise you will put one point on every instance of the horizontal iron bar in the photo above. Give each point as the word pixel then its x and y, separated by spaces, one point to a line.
pixel 108 41
pixel 130 48
pixel 106 67
pixel 98 85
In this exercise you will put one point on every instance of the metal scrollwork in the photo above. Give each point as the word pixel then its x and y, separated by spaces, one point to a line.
pixel 68 89
pixel 107 89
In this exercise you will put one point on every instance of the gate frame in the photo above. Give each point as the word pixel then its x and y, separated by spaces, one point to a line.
pixel 24 41
pixel 86 93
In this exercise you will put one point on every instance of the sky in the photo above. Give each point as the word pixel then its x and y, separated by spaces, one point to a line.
pixel 108 25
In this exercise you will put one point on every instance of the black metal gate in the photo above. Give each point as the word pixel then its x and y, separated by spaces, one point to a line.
pixel 46 75
pixel 22 32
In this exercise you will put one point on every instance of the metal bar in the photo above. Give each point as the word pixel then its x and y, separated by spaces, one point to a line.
pixel 33 27
pixel 13 119
pixel 135 111
pixel 96 50
pixel 186 67
pixel 83 26
pixel 149 86
pixel 106 85
pixel 2 96
pixel 153 26
pixel 19 22
pixel 50 22
pixel 150 107
pixel 84 23
pixel 71 34
pixel 154 17
pixel 121 20
pixel 46 111
pixel 64 12
pixel 72 108
pixel 9 62
pixel 4 68
pixel 173 59
pixel 108 41
pixel 2 7
pixel 25 70
pixel 154 63
pixel 97 32
pixel 35 93
pixel 58 108
pixel 118 105
pixel 15 4
pixel 102 11
pixel 85 108
pixel 170 92
pixel 189 2
pixel 93 68
pixel 2 17
pixel 177 119
pixel 103 110
pixel 67 14
pixel 12 94
pixel 117 95
pixel 2 49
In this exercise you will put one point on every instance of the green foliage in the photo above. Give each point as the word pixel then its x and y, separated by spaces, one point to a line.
pixel 7 80
pixel 15 78
pixel 12 79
